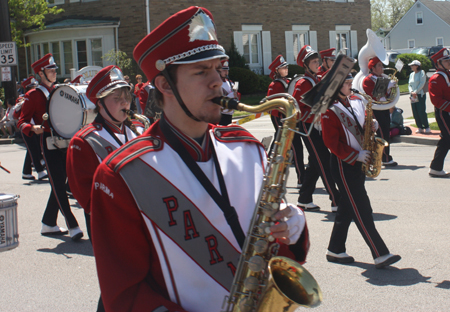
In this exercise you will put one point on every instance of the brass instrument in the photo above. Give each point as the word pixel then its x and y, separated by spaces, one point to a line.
pixel 374 145
pixel 264 281
pixel 139 117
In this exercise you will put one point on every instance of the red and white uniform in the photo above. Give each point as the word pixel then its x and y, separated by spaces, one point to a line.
pixel 33 108
pixel 301 87
pixel 277 86
pixel 140 267
pixel 82 160
pixel 439 89
pixel 143 95
pixel 227 87
pixel 322 71
pixel 369 84
pixel 336 136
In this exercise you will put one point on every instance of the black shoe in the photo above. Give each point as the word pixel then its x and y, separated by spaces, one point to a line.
pixel 343 257
pixel 28 176
pixel 386 260
pixel 390 163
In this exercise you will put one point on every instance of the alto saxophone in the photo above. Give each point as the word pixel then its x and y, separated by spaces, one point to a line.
pixel 373 144
pixel 264 281
pixel 141 118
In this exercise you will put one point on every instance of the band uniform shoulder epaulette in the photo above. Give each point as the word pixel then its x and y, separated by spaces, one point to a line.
pixel 234 133
pixel 88 129
pixel 135 148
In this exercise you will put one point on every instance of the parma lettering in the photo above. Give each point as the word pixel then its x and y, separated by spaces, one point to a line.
pixel 189 226
pixel 172 206
pixel 213 251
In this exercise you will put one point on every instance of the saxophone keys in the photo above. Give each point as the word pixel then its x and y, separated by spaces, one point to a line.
pixel 251 283
pixel 260 246
pixel 256 263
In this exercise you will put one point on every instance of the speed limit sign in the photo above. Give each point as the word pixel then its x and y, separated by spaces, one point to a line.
pixel 8 54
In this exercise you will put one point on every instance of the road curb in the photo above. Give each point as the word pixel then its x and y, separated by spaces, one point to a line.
pixel 412 139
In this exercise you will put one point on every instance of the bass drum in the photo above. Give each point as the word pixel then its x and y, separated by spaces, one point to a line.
pixel 69 110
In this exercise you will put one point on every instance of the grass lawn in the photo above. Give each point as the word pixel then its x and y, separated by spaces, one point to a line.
pixel 433 125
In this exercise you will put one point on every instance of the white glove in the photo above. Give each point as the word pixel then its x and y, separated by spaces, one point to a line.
pixel 295 222
pixel 363 156
pixel 374 125
pixel 392 84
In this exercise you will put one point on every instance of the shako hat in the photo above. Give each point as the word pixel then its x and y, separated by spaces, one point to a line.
pixel 443 54
pixel 305 52
pixel 47 61
pixel 77 79
pixel 278 63
pixel 329 53
pixel 104 82
pixel 225 64
pixel 29 82
pixel 373 61
pixel 188 36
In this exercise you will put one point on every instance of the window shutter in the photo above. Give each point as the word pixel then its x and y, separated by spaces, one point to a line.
pixel 289 38
pixel 313 39
pixel 332 39
pixel 267 52
pixel 354 43
pixel 238 42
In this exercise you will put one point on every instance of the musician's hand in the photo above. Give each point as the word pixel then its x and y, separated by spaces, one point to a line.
pixel 374 125
pixel 292 222
pixel 392 84
pixel 363 156
pixel 37 129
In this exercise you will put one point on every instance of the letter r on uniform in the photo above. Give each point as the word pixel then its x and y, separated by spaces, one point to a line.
pixel 172 206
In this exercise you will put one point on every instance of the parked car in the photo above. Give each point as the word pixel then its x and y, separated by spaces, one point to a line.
pixel 392 55
pixel 427 51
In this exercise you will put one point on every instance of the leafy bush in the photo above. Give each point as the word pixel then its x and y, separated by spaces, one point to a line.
pixel 295 70
pixel 236 59
pixel 264 82
pixel 407 58
pixel 248 80
pixel 2 95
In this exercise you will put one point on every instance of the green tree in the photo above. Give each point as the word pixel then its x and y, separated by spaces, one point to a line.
pixel 28 14
pixel 236 59
pixel 387 13
pixel 121 59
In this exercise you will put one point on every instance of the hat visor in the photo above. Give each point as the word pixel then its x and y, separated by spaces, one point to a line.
pixel 283 65
pixel 202 56
pixel 114 87
pixel 51 66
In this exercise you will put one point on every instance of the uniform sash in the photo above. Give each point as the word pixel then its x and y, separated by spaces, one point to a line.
pixel 349 123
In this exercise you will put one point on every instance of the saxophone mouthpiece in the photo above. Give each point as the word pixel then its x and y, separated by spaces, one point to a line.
pixel 354 90
pixel 226 102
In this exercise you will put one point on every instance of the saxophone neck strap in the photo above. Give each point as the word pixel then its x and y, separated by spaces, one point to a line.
pixel 222 200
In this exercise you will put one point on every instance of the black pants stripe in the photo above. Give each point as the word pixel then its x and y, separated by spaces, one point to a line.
pixel 58 200
pixel 297 148
pixel 384 121
pixel 33 153
pixel 353 206
pixel 443 121
pixel 319 166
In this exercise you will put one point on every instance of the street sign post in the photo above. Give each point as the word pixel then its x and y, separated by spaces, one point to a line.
pixel 8 55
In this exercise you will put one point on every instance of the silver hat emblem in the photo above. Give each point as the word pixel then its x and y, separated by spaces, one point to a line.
pixel 202 28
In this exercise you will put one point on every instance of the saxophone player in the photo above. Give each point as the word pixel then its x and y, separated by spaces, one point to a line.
pixel 169 208
pixel 342 127
pixel 383 117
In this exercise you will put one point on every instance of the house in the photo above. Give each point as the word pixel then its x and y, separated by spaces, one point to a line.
pixel 261 29
pixel 427 23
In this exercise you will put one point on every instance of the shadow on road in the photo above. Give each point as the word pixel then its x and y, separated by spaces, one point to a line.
pixel 67 247
pixel 330 216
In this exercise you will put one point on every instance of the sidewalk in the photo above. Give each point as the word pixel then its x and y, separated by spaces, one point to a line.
pixel 418 138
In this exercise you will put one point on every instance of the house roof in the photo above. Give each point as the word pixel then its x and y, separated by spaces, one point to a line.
pixel 440 8
pixel 69 23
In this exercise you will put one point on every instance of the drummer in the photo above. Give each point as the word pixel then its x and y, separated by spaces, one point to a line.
pixel 34 108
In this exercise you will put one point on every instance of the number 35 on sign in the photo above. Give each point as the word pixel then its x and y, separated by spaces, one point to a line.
pixel 8 55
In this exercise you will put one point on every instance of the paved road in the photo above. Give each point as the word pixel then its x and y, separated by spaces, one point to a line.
pixel 411 212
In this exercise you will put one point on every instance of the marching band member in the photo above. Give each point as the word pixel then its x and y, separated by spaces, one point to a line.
pixel 382 116
pixel 34 108
pixel 34 154
pixel 110 130
pixel 228 91
pixel 342 128
pixel 162 243
pixel 439 89
pixel 319 155
pixel 328 58
pixel 279 70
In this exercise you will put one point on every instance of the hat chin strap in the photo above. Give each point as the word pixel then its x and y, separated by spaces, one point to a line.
pixel 102 102
pixel 177 95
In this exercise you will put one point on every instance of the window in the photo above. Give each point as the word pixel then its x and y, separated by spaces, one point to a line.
pixel 251 44
pixel 300 39
pixel 411 43
pixel 55 2
pixel 81 54
pixel 419 18
pixel 440 41
pixel 56 55
pixel 45 49
pixel 68 58
pixel 342 42
pixel 96 52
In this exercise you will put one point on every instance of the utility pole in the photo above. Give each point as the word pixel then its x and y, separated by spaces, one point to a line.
pixel 5 36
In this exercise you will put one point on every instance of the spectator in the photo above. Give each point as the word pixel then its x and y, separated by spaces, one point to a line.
pixel 8 122
pixel 417 80
pixel 396 121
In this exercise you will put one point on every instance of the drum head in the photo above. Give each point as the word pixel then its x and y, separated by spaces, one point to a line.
pixel 67 109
